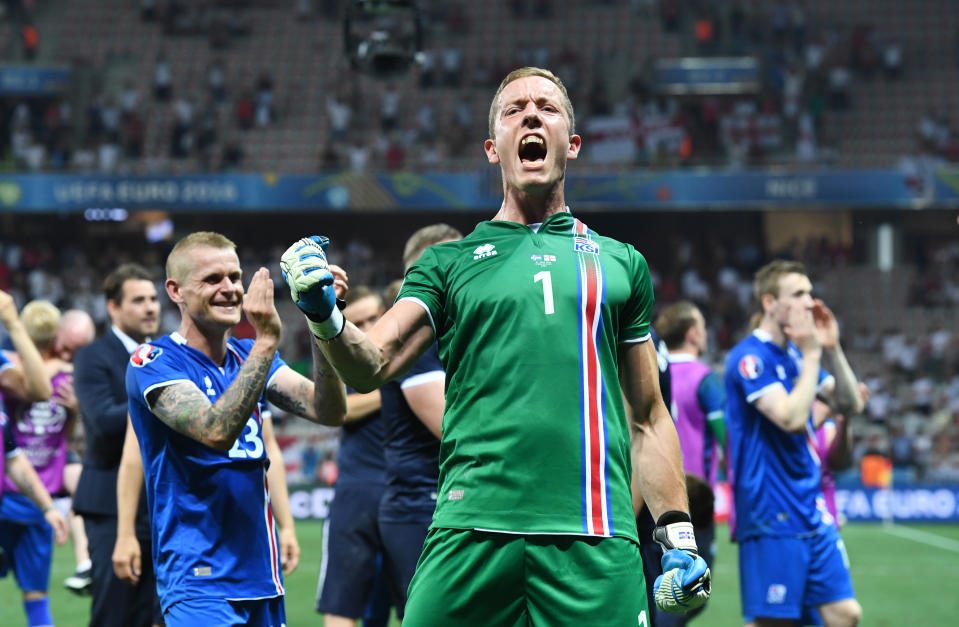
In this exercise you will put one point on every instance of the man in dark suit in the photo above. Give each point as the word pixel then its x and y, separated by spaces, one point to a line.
pixel 100 383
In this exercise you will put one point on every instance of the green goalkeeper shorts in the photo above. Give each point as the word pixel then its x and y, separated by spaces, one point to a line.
pixel 474 578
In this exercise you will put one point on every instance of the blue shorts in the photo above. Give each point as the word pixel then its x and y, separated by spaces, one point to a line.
pixel 223 613
pixel 779 577
pixel 27 541
pixel 810 618
pixel 404 544
pixel 351 546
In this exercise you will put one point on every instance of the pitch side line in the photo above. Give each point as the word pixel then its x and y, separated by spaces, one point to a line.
pixel 923 537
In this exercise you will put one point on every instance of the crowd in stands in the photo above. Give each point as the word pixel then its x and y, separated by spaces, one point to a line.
pixel 912 415
pixel 434 117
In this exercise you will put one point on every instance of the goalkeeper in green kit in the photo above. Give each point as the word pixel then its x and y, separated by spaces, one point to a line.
pixel 543 328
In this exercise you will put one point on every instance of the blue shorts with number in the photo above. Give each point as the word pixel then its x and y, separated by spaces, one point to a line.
pixel 778 577
pixel 27 541
pixel 223 613
pixel 351 546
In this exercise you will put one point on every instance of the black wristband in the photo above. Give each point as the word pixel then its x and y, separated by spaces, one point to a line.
pixel 673 516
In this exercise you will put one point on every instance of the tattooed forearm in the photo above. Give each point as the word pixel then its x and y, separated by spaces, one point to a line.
pixel 293 400
pixel 184 407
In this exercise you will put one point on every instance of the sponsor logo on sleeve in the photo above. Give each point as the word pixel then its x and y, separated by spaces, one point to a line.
pixel 750 367
pixel 144 354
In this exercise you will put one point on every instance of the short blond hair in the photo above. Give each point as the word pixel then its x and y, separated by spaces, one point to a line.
pixel 525 72
pixel 41 319
pixel 176 263
pixel 767 277
pixel 424 238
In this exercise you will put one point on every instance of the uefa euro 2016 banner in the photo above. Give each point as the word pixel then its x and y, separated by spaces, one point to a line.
pixel 681 190
pixel 912 504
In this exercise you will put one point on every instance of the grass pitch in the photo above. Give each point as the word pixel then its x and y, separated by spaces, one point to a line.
pixel 903 575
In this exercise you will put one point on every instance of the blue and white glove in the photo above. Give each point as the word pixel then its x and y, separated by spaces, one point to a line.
pixel 685 582
pixel 308 275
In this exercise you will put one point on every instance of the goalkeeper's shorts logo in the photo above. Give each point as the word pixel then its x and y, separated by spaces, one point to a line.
pixel 776 593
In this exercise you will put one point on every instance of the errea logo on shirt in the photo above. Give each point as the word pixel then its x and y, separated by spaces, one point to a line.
pixel 484 250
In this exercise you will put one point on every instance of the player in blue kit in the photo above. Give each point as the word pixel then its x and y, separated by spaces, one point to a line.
pixel 790 554
pixel 413 406
pixel 352 583
pixel 194 405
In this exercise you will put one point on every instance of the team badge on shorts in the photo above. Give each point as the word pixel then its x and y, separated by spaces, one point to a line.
pixel 144 354
pixel 750 367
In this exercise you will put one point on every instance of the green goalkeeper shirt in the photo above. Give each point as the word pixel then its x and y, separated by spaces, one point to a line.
pixel 535 437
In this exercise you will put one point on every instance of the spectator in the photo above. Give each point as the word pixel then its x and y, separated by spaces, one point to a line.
pixel 108 156
pixel 162 78
pixel 427 69
pixel 390 108
pixel 452 66
pixel 31 40
pixel 839 82
pixel 232 157
pixel 264 114
pixel 892 60
pixel 806 139
pixel 216 80
pixel 244 111
pixel 129 98
pixel 339 114
pixel 134 133
pixel 182 140
pixel 358 153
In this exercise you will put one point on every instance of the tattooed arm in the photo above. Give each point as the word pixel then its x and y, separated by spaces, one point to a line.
pixel 322 400
pixel 186 409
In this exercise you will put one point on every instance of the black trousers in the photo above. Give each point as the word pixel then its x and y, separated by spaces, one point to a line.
pixel 116 603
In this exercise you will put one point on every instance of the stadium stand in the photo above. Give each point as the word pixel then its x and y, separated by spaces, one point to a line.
pixel 113 48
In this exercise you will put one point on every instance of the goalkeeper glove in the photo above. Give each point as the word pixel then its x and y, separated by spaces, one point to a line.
pixel 685 582
pixel 308 275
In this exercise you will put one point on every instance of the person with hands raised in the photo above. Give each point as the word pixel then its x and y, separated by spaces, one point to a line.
pixel 542 326
pixel 29 381
pixel 194 403
pixel 40 429
pixel 790 553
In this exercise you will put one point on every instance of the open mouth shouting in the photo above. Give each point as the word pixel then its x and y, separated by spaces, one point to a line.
pixel 532 152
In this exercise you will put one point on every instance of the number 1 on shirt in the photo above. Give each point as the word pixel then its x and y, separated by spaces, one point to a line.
pixel 547 280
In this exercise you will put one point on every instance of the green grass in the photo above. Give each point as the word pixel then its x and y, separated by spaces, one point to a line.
pixel 899 581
